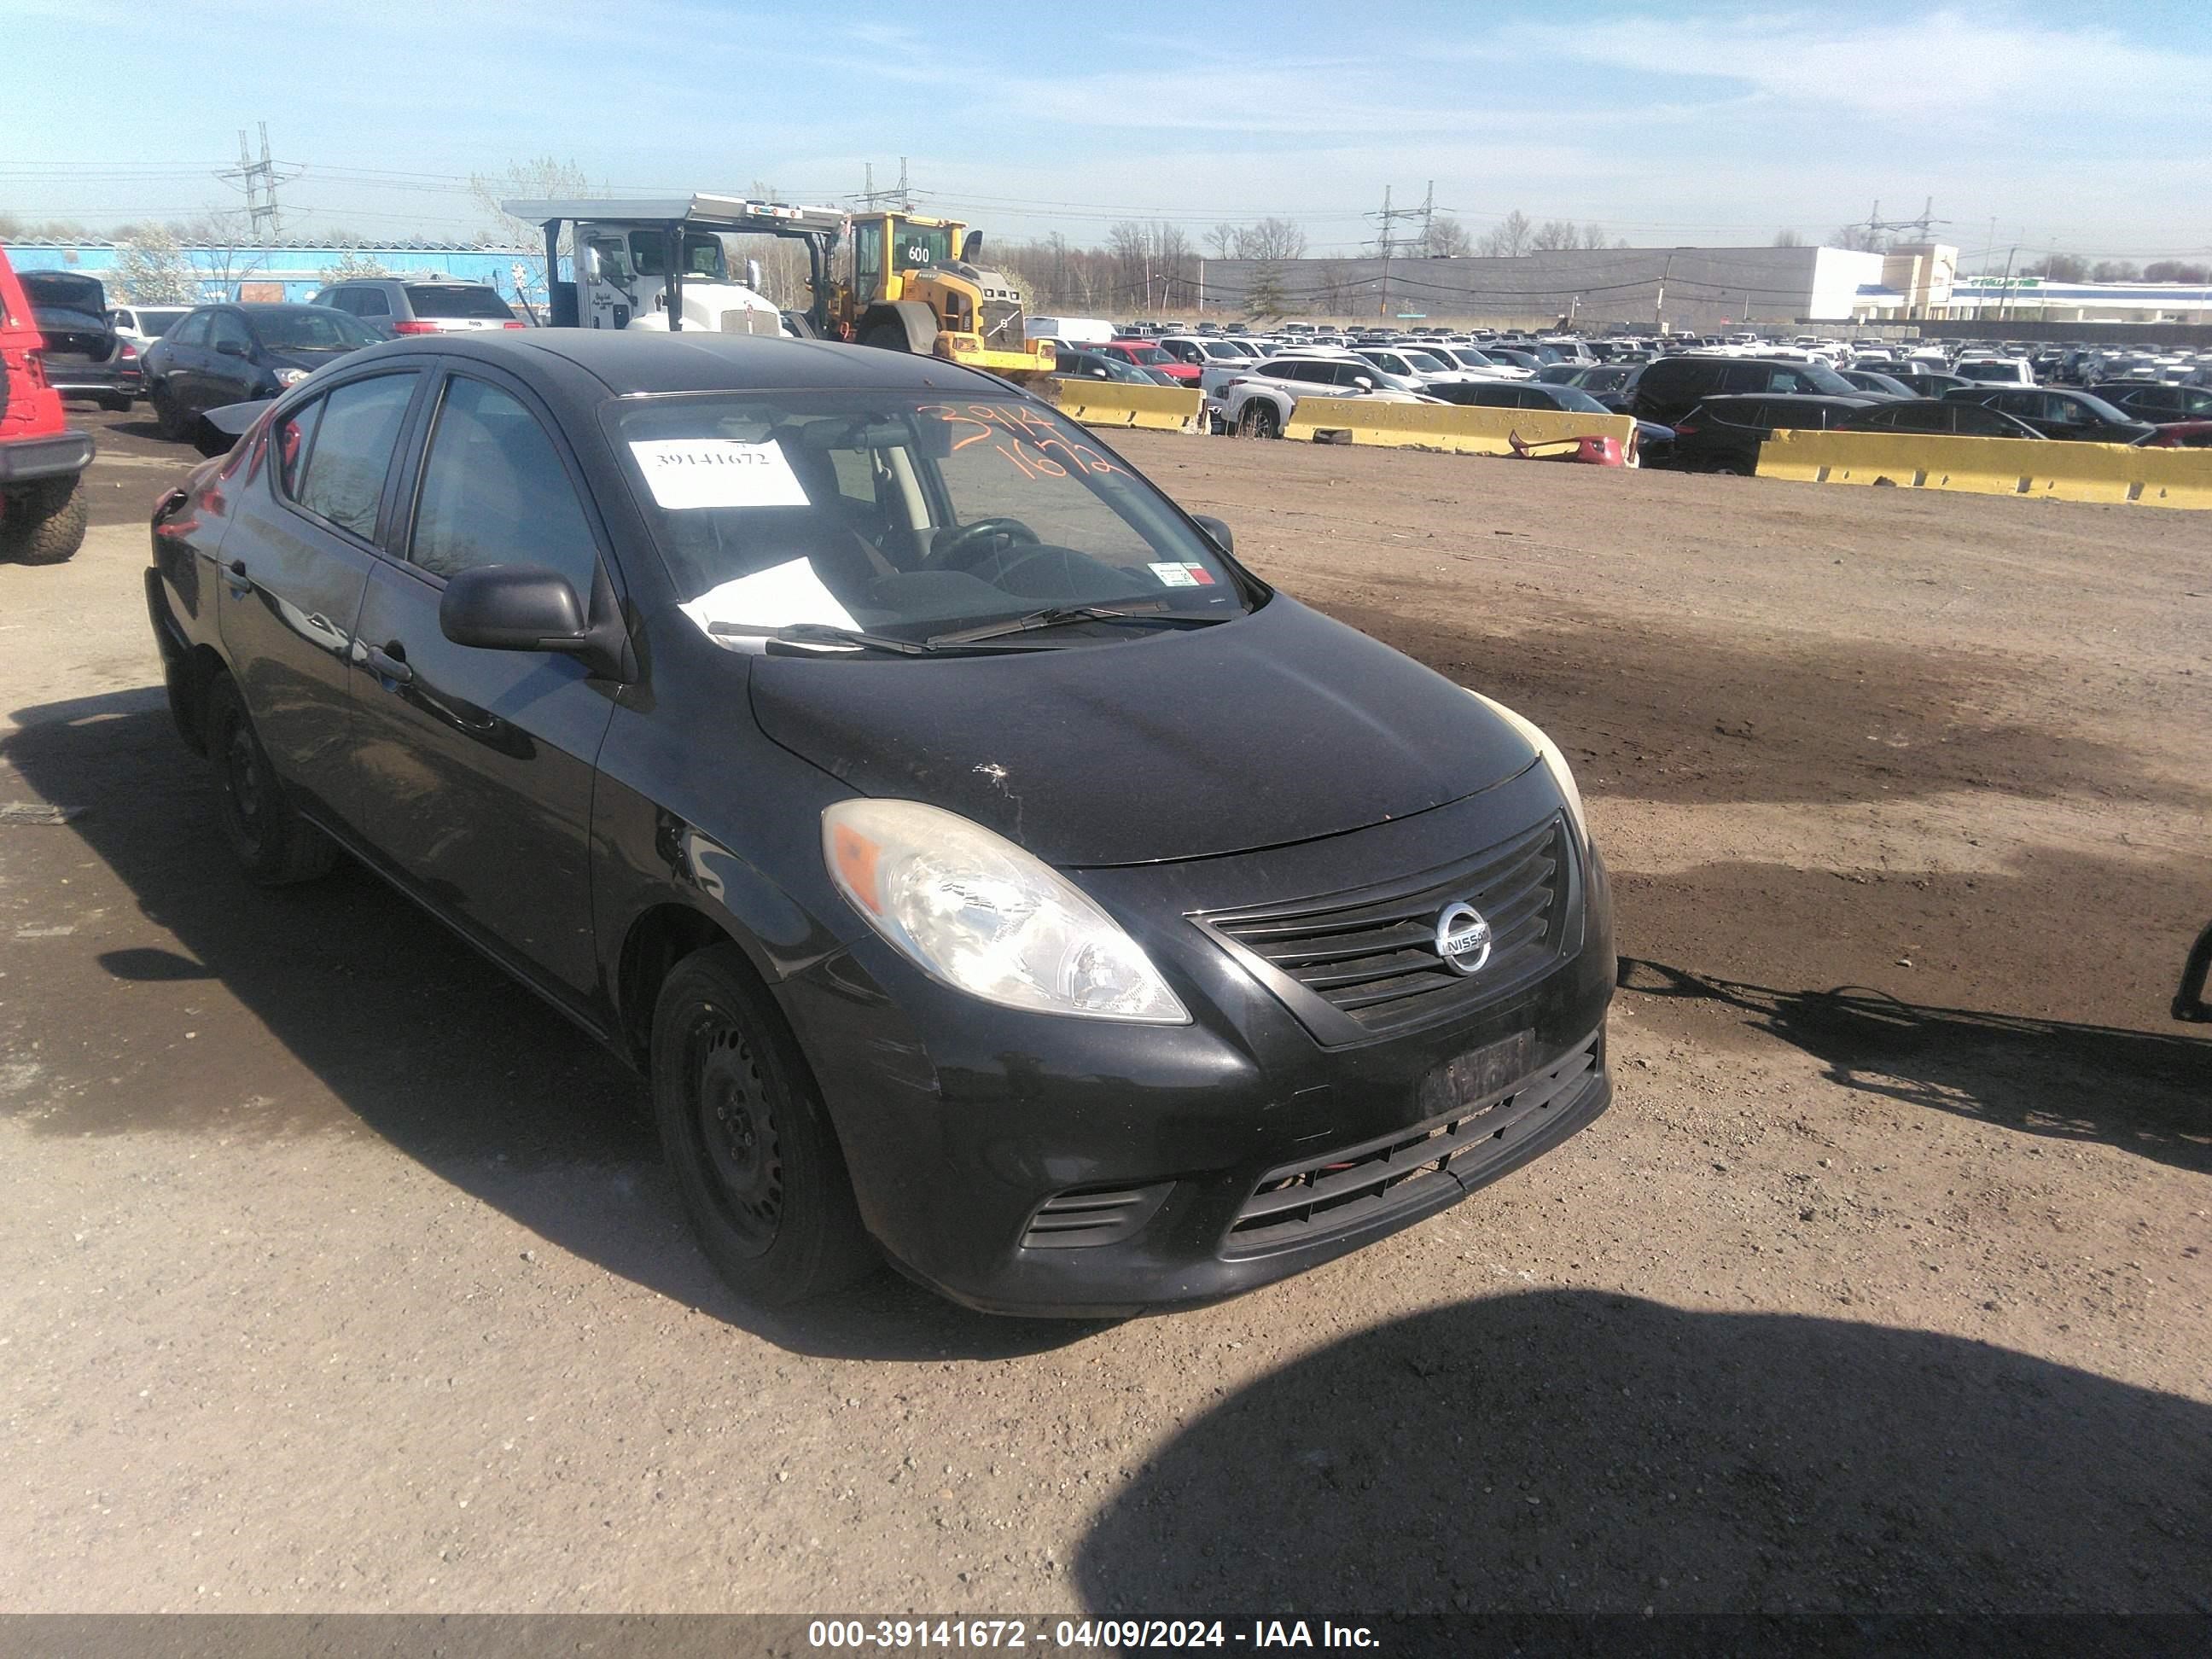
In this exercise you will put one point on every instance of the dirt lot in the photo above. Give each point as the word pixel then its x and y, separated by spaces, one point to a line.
pixel 335 1274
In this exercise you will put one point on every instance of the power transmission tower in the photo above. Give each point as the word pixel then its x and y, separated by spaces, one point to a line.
pixel 1386 240
pixel 901 194
pixel 259 180
pixel 1429 223
pixel 1877 227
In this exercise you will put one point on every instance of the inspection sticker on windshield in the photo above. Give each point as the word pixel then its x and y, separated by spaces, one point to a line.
pixel 718 472
pixel 1183 575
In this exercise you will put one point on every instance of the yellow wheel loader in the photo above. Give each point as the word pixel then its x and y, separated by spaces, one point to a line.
pixel 916 287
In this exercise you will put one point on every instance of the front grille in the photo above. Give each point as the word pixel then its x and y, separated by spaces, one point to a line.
pixel 1371 956
pixel 1092 1215
pixel 1002 328
pixel 1339 1192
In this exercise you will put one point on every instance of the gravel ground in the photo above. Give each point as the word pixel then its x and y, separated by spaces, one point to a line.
pixel 338 1275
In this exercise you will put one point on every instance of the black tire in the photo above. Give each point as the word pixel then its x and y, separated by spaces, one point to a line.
pixel 889 337
pixel 43 522
pixel 176 425
pixel 274 844
pixel 115 403
pixel 1259 420
pixel 743 1128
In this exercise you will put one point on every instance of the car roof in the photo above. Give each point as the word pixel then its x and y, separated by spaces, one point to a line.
pixel 1859 401
pixel 636 361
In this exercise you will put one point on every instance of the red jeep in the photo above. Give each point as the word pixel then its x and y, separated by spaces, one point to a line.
pixel 42 511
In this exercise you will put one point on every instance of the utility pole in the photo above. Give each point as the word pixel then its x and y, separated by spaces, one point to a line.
pixel 906 196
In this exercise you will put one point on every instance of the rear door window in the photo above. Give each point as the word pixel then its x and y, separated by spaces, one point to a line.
pixel 370 302
pixel 354 439
pixel 227 329
pixel 494 492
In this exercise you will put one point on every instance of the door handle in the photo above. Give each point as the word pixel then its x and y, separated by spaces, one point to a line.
pixel 389 661
pixel 238 568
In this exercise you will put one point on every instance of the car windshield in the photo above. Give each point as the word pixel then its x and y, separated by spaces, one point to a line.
pixel 309 328
pixel 1577 400
pixel 1428 364
pixel 902 514
pixel 2103 410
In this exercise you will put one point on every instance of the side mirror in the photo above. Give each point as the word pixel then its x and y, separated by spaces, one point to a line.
pixel 1100 374
pixel 1362 382
pixel 753 274
pixel 591 263
pixel 971 247
pixel 1217 530
pixel 513 607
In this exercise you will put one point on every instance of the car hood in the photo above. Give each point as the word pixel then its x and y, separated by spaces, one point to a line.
pixel 1281 726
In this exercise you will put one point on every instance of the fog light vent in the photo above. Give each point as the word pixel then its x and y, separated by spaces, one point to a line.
pixel 1093 1215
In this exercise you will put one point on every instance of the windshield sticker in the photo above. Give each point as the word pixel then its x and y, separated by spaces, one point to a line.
pixel 1177 575
pixel 692 472
pixel 774 598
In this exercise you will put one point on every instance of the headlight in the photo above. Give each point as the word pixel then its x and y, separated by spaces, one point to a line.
pixel 1555 760
pixel 292 376
pixel 975 911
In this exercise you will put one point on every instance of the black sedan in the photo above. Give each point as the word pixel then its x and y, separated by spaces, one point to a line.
pixel 1950 416
pixel 973 855
pixel 230 353
pixel 2057 413
pixel 1722 435
pixel 1923 382
pixel 2150 400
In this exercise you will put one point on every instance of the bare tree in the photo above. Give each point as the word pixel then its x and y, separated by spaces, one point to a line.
pixel 2176 270
pixel 1447 238
pixel 228 254
pixel 1860 238
pixel 1335 287
pixel 1271 239
pixel 1788 238
pixel 543 177
pixel 1510 238
pixel 1553 234
pixel 2115 271
pixel 2060 268
pixel 1594 236
pixel 1221 241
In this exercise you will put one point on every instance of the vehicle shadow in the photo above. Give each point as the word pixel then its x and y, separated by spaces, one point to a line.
pixel 2145 1092
pixel 408 1030
pixel 1575 1450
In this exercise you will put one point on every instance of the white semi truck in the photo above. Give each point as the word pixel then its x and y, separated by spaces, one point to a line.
pixel 662 264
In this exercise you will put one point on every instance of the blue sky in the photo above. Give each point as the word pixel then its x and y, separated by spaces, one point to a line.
pixel 1668 124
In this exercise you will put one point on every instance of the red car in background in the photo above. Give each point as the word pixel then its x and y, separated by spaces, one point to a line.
pixel 2179 434
pixel 42 511
pixel 1145 355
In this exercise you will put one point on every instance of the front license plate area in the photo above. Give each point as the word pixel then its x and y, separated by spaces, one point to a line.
pixel 1467 1080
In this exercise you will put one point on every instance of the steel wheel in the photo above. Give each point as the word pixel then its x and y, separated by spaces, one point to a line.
pixel 737 1130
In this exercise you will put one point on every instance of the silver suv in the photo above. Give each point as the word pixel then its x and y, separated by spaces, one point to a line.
pixel 425 305
pixel 1258 403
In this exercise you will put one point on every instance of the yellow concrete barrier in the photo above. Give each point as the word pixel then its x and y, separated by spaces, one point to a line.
pixel 2057 470
pixel 1455 427
pixel 1118 403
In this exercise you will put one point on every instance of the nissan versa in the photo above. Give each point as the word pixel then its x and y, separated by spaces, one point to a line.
pixel 980 863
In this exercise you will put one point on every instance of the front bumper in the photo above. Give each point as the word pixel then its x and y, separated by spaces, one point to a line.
pixel 1034 1165
pixel 25 460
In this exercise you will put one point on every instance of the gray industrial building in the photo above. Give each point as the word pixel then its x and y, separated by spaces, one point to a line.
pixel 1693 288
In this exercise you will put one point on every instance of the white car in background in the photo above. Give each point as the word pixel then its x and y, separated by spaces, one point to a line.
pixel 143 325
pixel 1994 371
pixel 1258 403
pixel 1477 366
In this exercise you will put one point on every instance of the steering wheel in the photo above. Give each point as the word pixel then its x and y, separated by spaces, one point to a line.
pixel 973 542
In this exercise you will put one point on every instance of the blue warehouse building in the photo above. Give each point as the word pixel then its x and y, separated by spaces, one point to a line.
pixel 295 270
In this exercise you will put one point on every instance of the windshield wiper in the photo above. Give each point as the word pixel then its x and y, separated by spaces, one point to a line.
pixel 1059 616
pixel 814 634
